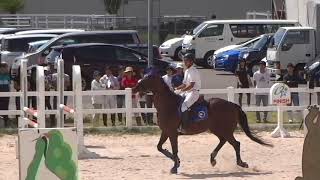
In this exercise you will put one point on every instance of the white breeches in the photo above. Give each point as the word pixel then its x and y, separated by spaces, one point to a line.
pixel 190 98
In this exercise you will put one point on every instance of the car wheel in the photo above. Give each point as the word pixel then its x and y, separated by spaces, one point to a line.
pixel 177 54
pixel 208 59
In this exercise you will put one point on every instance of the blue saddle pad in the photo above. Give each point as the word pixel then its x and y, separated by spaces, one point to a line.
pixel 199 113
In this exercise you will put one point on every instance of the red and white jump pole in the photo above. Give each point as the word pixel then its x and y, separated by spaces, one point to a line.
pixel 66 108
pixel 30 122
pixel 30 111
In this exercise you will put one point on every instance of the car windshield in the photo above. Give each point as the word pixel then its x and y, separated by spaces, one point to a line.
pixel 198 28
pixel 44 46
pixel 278 37
pixel 261 42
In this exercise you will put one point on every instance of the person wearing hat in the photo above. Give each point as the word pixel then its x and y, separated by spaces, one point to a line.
pixel 244 80
pixel 110 83
pixel 189 89
pixel 293 80
pixel 130 81
pixel 261 80
pixel 168 77
pixel 5 81
pixel 97 100
pixel 178 76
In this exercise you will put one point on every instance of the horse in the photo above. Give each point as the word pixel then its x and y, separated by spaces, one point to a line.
pixel 223 117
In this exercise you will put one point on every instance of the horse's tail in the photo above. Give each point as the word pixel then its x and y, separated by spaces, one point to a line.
pixel 243 121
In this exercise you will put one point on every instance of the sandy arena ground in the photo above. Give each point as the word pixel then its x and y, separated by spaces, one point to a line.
pixel 135 157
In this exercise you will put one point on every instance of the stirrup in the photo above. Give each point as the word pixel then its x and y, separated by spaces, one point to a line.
pixel 181 130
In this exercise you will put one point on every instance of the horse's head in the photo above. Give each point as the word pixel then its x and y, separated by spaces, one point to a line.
pixel 151 82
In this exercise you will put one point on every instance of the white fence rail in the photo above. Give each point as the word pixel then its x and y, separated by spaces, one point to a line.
pixel 230 92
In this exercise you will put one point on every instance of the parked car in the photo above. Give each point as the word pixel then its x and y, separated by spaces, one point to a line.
pixel 228 60
pixel 50 31
pixel 237 46
pixel 256 52
pixel 111 37
pixel 13 46
pixel 33 46
pixel 143 48
pixel 96 56
pixel 172 48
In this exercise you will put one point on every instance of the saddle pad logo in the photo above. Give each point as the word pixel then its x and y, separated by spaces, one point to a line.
pixel 201 114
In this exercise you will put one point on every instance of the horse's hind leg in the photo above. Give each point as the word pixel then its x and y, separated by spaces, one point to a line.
pixel 162 140
pixel 216 150
pixel 236 146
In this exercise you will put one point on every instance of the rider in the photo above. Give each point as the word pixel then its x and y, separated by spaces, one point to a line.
pixel 190 87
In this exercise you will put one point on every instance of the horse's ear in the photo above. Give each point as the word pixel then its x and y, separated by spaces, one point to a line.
pixel 153 71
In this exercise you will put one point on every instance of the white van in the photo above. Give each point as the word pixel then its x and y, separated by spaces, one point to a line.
pixel 212 35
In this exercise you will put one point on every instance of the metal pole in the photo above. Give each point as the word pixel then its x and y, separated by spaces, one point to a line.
pixel 24 90
pixel 150 35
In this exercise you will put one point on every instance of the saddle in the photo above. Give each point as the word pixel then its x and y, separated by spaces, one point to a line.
pixel 198 111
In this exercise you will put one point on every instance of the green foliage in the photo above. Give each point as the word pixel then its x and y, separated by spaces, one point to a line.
pixel 11 6
pixel 112 6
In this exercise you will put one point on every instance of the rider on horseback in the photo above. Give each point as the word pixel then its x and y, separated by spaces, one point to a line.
pixel 190 88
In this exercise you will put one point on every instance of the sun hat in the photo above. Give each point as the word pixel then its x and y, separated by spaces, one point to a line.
pixel 128 69
pixel 179 65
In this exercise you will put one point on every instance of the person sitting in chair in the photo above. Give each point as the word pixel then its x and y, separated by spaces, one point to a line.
pixel 189 89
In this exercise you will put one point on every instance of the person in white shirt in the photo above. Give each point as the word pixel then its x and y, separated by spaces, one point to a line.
pixel 168 77
pixel 190 87
pixel 111 83
pixel 97 101
pixel 261 80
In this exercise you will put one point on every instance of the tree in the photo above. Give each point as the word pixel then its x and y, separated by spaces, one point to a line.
pixel 11 6
pixel 112 6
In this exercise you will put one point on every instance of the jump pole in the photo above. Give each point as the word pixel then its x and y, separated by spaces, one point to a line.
pixel 60 88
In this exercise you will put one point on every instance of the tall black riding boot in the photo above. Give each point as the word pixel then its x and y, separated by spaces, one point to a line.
pixel 185 119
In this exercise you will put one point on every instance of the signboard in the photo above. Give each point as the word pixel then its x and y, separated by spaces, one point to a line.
pixel 280 94
pixel 49 154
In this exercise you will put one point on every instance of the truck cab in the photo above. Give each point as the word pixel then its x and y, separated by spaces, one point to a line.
pixel 296 45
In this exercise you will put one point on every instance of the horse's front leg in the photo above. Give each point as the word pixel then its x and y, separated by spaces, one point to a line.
pixel 174 144
pixel 162 140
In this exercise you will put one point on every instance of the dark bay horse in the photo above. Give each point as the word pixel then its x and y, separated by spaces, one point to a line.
pixel 222 121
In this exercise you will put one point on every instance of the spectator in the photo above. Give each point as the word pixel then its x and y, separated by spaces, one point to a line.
pixel 244 81
pixel 4 87
pixel 48 87
pixel 146 100
pixel 97 101
pixel 261 80
pixel 168 77
pixel 32 86
pixel 292 80
pixel 129 81
pixel 111 83
pixel 120 98
pixel 178 76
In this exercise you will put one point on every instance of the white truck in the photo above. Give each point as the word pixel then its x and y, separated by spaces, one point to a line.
pixel 296 45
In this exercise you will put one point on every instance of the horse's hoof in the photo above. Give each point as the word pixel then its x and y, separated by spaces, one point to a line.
pixel 174 170
pixel 243 164
pixel 213 162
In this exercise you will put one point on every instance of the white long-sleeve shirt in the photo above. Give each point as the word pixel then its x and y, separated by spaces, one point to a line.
pixel 96 86
pixel 110 81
